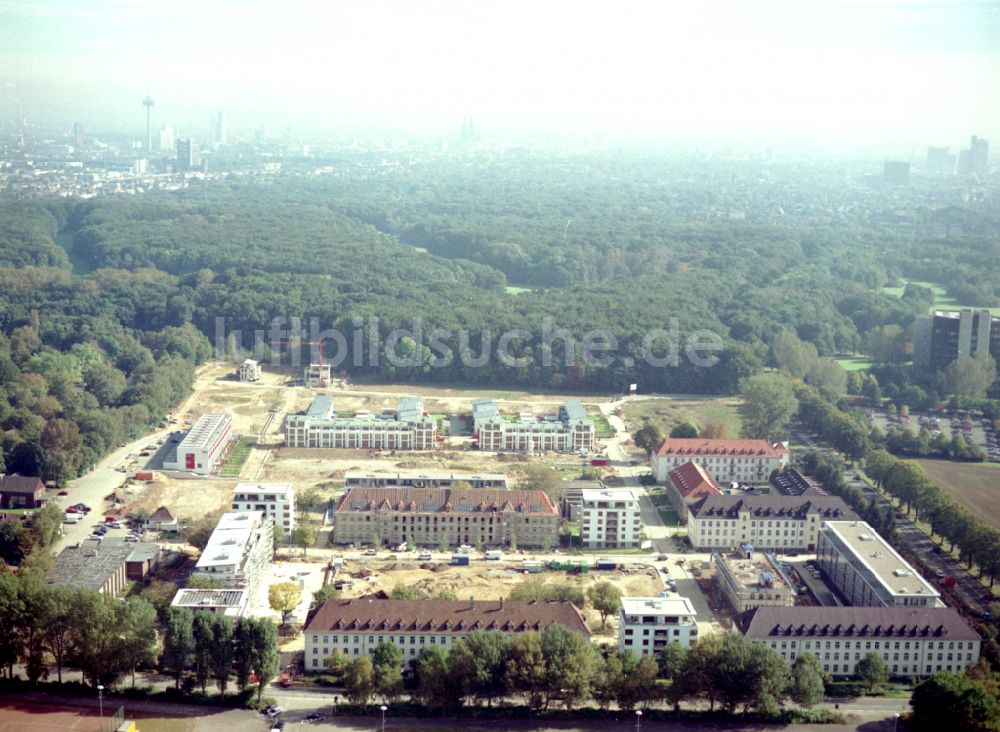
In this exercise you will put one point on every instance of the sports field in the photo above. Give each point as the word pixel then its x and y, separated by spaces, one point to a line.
pixel 24 716
pixel 974 485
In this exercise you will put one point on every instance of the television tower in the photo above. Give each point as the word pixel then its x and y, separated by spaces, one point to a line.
pixel 148 104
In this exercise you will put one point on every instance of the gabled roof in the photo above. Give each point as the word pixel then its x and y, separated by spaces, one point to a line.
pixel 21 484
pixel 434 500
pixel 693 482
pixel 826 507
pixel 705 447
pixel 161 515
pixel 858 622
pixel 452 616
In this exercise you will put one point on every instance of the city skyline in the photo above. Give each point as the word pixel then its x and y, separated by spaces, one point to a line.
pixel 892 75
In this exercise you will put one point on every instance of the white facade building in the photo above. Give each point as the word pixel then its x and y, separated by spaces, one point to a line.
pixel 316 375
pixel 407 427
pixel 772 523
pixel 609 518
pixel 239 550
pixel 230 603
pixel 276 500
pixel 912 641
pixel 867 570
pixel 647 625
pixel 355 627
pixel 740 461
pixel 249 370
pixel 205 446
pixel 569 431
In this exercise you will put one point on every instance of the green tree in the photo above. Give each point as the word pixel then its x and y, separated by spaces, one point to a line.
pixel 489 650
pixel 56 619
pixel 872 672
pixel 387 667
pixel 222 651
pixel 526 673
pixel 327 592
pixel 359 680
pixel 648 437
pixel 951 701
pixel 749 675
pixel 684 429
pixel 605 598
pixel 571 663
pixel 203 643
pixel 434 688
pixel 303 536
pixel 768 403
pixel 137 624
pixel 406 592
pixel 178 642
pixel 806 687
pixel 265 654
pixel 969 377
pixel 670 660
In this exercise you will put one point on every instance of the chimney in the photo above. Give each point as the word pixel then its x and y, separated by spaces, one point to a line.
pixel 472 603
pixel 501 603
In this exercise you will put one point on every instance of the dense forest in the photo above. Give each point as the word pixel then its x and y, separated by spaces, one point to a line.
pixel 106 305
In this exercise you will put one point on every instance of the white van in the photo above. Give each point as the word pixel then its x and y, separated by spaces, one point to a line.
pixel 494 554
pixel 72 518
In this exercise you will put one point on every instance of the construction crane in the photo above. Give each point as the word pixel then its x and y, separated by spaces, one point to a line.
pixel 301 342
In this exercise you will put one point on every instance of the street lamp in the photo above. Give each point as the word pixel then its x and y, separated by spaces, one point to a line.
pixel 895 726
pixel 383 708
pixel 100 704
pixel 638 720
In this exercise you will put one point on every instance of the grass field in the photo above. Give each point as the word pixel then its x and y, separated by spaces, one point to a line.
pixel 853 363
pixel 974 485
pixel 234 462
pixel 941 297
pixel 602 427
pixel 667 413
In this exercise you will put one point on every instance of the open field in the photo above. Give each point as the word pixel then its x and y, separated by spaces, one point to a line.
pixel 974 485
pixel 237 457
pixel 941 298
pixel 190 498
pixel 667 412
pixel 853 363
pixel 34 716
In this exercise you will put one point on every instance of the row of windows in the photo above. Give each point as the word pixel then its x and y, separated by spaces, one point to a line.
pixel 876 645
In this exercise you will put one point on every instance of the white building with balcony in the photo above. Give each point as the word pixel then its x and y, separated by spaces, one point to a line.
pixel 239 550
pixel 276 500
pixel 647 625
pixel 609 518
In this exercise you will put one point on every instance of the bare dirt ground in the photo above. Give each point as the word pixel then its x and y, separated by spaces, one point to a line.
pixel 186 498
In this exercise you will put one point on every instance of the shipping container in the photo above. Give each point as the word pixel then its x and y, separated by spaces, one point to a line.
pixel 460 560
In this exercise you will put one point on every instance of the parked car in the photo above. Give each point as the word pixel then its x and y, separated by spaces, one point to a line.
pixel 313 717
pixel 63 493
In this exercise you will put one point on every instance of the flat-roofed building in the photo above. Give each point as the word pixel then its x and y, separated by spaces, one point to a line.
pixel 239 550
pixel 355 627
pixel 771 523
pixel 738 461
pixel 688 483
pixel 423 479
pixel 940 338
pixel 407 427
pixel 647 625
pixel 790 482
pixel 205 446
pixel 571 430
pixel 913 641
pixel 867 570
pixel 431 516
pixel 316 375
pixel 609 518
pixel 752 579
pixel 230 603
pixel 249 370
pixel 276 500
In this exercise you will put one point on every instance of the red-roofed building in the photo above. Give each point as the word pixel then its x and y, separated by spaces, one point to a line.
pixel 737 461
pixel 355 627
pixel 689 483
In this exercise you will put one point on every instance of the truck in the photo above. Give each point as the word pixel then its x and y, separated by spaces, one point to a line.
pixel 460 560
pixel 494 555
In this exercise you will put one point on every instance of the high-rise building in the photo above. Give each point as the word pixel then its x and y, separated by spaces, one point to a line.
pixel 979 150
pixel 78 134
pixel 940 161
pixel 940 338
pixel 219 127
pixel 188 155
pixel 896 173
pixel 167 141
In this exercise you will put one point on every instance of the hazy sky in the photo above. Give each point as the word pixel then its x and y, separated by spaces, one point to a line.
pixel 869 72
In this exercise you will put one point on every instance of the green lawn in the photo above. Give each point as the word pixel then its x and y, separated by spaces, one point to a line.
pixel 602 426
pixel 235 460
pixel 853 363
pixel 941 297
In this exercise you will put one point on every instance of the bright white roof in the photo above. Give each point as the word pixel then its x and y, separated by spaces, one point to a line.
pixel 673 605
pixel 282 488
pixel 608 494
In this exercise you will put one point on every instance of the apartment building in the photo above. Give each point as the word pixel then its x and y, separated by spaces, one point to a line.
pixel 407 427
pixel 276 500
pixel 355 627
pixel 728 461
pixel 239 550
pixel 913 641
pixel 752 579
pixel 316 375
pixel 940 338
pixel 771 523
pixel 205 446
pixel 688 483
pixel 571 430
pixel 249 371
pixel 647 625
pixel 431 516
pixel 609 518
pixel 424 479
pixel 867 570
